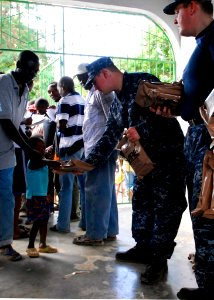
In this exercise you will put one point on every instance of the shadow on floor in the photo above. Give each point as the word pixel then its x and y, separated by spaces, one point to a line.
pixel 85 272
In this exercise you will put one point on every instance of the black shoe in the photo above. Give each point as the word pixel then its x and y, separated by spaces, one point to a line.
pixel 12 254
pixel 53 228
pixel 134 255
pixel 74 218
pixel 154 272
pixel 194 294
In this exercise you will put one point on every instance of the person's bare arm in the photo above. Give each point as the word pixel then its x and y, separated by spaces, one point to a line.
pixel 11 131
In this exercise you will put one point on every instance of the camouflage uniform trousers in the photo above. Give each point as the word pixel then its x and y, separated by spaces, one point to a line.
pixel 158 204
pixel 196 143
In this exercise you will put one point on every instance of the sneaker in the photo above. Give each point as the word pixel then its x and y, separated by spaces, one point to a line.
pixel 110 238
pixel 194 294
pixel 134 255
pixel 154 272
pixel 11 253
pixel 83 240
pixel 55 229
pixel 75 218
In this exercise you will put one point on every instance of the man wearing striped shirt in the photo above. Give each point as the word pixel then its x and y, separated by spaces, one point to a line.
pixel 69 118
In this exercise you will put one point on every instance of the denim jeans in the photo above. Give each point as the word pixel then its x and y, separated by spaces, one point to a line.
pixel 7 204
pixel 81 183
pixel 65 195
pixel 129 180
pixel 100 201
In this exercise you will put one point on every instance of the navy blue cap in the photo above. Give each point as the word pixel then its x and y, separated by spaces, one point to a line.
pixel 96 66
pixel 170 9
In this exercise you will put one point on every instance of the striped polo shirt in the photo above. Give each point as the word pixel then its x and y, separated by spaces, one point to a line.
pixel 71 108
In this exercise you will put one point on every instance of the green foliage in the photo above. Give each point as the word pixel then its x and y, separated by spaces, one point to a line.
pixel 7 61
pixel 16 35
pixel 23 26
pixel 156 56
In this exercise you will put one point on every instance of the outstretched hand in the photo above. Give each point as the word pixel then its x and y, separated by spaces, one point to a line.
pixel 62 171
pixel 53 164
pixel 74 166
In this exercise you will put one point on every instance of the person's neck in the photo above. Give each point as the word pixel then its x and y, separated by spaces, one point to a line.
pixel 19 81
pixel 205 22
pixel 118 79
pixel 17 77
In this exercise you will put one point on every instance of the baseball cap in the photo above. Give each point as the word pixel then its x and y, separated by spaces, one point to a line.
pixel 170 9
pixel 95 67
pixel 81 69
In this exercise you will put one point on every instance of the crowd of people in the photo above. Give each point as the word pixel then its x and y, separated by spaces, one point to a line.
pixel 89 130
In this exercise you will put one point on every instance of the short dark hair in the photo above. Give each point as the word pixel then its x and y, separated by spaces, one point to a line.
pixel 33 140
pixel 206 6
pixel 41 101
pixel 27 55
pixel 67 83
pixel 53 83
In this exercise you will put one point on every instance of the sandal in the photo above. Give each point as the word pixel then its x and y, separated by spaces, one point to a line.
pixel 48 249
pixel 110 238
pixel 86 241
pixel 13 254
pixel 32 252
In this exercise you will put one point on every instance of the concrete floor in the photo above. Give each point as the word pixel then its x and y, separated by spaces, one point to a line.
pixel 80 272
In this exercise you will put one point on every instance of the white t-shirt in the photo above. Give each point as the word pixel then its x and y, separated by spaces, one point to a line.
pixel 12 107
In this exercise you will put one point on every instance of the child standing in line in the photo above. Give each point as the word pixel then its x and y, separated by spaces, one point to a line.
pixel 38 204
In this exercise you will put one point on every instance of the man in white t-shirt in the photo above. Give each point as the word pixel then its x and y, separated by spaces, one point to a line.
pixel 14 96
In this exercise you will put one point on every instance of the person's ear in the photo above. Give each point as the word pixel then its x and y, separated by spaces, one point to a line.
pixel 193 6
pixel 105 73
pixel 18 65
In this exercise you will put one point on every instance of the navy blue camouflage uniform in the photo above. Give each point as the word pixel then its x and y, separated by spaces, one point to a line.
pixel 198 80
pixel 159 198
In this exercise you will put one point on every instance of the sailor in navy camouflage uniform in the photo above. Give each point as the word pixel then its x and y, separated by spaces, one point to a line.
pixel 195 18
pixel 159 198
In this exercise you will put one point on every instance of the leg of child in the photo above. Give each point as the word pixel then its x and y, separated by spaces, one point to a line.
pixel 43 229
pixel 43 247
pixel 31 250
pixel 33 233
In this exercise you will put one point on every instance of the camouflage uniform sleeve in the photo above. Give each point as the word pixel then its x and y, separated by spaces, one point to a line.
pixel 113 132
